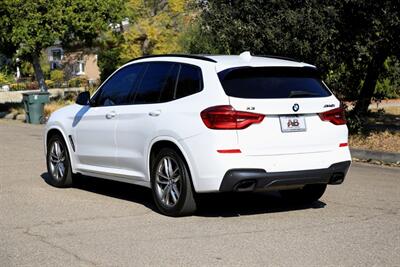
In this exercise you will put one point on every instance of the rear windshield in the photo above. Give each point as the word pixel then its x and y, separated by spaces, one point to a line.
pixel 273 82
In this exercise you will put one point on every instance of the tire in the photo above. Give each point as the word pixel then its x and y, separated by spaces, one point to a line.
pixel 58 163
pixel 171 184
pixel 306 195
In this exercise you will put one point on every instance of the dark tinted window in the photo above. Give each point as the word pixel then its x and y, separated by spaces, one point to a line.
pixel 190 81
pixel 168 91
pixel 264 82
pixel 117 89
pixel 153 82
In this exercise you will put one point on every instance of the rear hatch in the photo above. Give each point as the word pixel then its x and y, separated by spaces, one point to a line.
pixel 292 99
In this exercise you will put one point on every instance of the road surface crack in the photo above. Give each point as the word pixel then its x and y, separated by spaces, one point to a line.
pixel 45 241
pixel 258 231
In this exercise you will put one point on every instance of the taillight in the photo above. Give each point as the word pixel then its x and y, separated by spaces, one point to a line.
pixel 335 116
pixel 227 118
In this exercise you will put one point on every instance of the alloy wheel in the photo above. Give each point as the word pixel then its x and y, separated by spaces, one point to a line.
pixel 57 160
pixel 168 181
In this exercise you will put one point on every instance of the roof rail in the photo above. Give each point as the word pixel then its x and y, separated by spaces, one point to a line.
pixel 279 57
pixel 176 55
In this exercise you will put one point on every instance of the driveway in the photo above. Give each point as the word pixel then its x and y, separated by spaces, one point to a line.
pixel 106 223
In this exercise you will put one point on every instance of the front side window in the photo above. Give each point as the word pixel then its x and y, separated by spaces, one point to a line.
pixel 118 89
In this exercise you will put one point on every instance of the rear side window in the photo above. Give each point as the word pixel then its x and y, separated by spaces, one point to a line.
pixel 273 82
pixel 190 81
pixel 166 81
pixel 153 82
pixel 167 93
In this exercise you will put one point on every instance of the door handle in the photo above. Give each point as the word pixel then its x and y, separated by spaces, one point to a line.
pixel 155 113
pixel 110 115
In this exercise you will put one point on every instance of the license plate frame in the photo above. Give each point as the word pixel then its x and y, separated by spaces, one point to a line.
pixel 292 123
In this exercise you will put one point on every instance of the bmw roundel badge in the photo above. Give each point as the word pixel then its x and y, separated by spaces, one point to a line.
pixel 296 107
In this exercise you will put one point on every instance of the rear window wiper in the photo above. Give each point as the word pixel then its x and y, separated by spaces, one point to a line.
pixel 301 94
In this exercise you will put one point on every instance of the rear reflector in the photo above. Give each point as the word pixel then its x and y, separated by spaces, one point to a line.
pixel 227 118
pixel 343 144
pixel 229 151
pixel 335 116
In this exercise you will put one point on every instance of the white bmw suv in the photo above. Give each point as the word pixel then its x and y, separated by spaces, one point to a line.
pixel 187 124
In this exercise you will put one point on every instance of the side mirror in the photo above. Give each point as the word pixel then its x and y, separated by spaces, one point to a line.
pixel 83 98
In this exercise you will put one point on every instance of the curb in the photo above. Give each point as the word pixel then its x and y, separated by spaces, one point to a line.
pixel 375 155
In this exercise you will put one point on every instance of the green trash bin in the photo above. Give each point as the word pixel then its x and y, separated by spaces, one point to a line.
pixel 34 106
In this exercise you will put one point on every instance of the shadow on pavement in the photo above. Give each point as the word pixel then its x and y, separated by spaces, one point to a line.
pixel 209 205
pixel 124 191
pixel 241 204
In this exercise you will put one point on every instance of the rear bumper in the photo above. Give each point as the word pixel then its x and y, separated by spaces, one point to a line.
pixel 259 179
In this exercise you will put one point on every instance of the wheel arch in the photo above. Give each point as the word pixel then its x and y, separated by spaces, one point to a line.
pixel 56 130
pixel 162 142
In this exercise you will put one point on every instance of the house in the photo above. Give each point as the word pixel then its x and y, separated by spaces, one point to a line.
pixel 82 62
pixel 74 63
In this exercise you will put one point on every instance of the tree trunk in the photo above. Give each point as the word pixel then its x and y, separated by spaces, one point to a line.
pixel 38 72
pixel 367 91
pixel 146 46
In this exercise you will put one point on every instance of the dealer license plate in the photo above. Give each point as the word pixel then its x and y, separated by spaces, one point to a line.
pixel 293 123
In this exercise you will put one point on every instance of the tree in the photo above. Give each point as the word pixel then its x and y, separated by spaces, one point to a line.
pixel 301 29
pixel 349 40
pixel 156 27
pixel 28 27
pixel 369 32
pixel 109 54
pixel 7 48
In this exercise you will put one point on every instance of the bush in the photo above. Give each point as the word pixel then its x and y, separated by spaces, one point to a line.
pixel 17 86
pixel 32 86
pixel 50 83
pixel 386 89
pixel 78 82
pixel 57 76
pixel 3 79
pixel 54 105
pixel 355 123
pixel 24 86
pixel 70 96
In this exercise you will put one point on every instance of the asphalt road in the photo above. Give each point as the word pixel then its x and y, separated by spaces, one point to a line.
pixel 113 224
